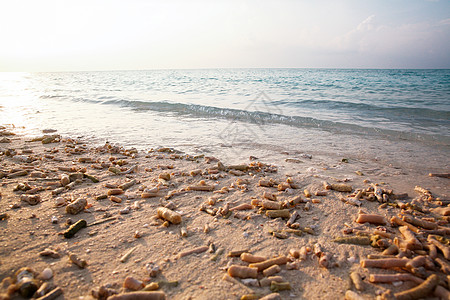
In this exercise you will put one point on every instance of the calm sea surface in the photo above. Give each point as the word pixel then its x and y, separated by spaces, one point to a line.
pixel 399 115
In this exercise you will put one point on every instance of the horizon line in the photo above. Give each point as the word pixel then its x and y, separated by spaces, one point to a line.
pixel 225 68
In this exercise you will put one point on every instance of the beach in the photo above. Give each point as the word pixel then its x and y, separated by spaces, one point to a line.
pixel 241 150
pixel 301 209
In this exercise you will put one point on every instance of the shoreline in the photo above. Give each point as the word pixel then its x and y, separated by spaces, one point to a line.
pixel 397 117
pixel 372 150
pixel 157 256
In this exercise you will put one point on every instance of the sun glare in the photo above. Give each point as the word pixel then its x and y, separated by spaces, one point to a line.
pixel 16 98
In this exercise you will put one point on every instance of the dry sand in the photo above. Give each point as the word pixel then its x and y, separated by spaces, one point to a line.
pixel 27 230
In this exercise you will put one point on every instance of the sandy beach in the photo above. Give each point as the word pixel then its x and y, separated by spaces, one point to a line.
pixel 92 221
pixel 225 150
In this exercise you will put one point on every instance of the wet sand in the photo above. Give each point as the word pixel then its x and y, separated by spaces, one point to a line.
pixel 208 195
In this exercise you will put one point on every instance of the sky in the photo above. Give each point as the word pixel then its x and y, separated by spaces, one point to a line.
pixel 83 35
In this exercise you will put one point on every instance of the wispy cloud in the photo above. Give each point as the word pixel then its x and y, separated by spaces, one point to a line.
pixel 444 22
pixel 357 39
pixel 367 24
pixel 371 36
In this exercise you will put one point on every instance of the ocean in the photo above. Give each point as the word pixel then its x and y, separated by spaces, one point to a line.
pixel 394 116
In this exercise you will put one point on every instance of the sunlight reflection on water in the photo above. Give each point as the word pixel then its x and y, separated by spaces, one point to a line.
pixel 17 99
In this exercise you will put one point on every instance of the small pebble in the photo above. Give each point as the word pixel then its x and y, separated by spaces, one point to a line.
pixel 250 282
pixel 289 191
pixel 125 211
pixel 351 259
pixel 311 170
pixel 136 205
pixel 60 201
pixel 397 283
pixel 46 274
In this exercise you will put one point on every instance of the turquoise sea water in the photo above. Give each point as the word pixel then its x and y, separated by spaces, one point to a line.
pixel 235 112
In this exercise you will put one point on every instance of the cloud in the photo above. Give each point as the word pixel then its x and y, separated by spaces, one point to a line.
pixel 366 25
pixel 412 44
pixel 444 22
pixel 357 39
